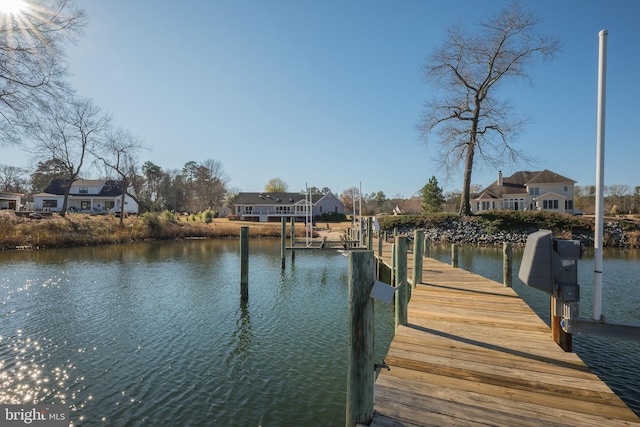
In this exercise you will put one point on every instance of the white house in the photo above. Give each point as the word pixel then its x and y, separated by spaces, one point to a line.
pixel 10 201
pixel 86 195
pixel 266 207
pixel 540 190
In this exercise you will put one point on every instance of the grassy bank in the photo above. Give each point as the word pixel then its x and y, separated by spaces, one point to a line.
pixel 82 229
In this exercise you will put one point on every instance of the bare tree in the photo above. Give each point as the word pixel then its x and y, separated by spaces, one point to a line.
pixel 13 179
pixel 33 68
pixel 67 136
pixel 118 152
pixel 468 118
pixel 209 188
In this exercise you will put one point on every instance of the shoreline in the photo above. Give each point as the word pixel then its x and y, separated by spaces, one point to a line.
pixel 18 232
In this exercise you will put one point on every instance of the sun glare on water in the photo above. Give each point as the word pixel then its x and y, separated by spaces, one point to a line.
pixel 12 7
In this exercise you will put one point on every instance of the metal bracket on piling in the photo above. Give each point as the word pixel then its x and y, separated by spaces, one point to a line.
pixel 381 365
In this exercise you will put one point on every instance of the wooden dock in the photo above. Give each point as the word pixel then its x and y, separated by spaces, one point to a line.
pixel 475 354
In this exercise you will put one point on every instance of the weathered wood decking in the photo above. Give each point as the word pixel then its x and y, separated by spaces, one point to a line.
pixel 475 354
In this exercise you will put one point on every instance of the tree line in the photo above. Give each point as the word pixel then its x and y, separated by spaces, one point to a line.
pixel 68 134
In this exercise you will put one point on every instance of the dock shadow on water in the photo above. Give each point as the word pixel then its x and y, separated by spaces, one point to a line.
pixel 156 334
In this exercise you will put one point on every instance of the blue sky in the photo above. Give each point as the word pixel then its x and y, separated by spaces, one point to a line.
pixel 328 93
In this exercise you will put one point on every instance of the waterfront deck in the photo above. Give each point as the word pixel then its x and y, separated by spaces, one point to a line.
pixel 475 354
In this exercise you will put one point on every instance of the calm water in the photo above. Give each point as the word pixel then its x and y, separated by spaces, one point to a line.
pixel 155 334
pixel 152 334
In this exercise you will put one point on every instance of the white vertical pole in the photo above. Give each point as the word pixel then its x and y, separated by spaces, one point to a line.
pixel 308 208
pixel 360 216
pixel 599 229
pixel 353 222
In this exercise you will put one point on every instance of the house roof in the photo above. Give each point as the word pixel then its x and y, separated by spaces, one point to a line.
pixel 546 177
pixel 518 182
pixel 274 198
pixel 110 188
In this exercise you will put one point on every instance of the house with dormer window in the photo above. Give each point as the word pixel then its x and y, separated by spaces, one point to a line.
pixel 265 207
pixel 540 190
pixel 86 195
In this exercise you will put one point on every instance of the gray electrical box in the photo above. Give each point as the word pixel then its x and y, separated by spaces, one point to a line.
pixel 540 263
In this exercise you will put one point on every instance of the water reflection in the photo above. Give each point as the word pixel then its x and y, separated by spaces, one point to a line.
pixel 152 332
pixel 241 341
pixel 145 333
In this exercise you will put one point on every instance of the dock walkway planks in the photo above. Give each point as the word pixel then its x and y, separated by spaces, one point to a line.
pixel 475 354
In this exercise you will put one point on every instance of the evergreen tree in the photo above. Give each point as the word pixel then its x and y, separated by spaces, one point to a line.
pixel 432 198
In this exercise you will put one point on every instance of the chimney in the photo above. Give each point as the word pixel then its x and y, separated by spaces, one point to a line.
pixel 500 178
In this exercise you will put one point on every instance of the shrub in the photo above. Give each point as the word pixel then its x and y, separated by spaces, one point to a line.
pixel 152 222
pixel 168 215
pixel 207 216
pixel 331 217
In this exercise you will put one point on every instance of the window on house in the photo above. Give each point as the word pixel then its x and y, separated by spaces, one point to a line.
pixel 84 190
pixel 534 191
pixel 566 188
pixel 283 210
pixel 550 204
pixel 568 204
pixel 49 203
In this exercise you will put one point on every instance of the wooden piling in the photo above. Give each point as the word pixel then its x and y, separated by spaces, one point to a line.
pixel 293 239
pixel 507 275
pixel 283 241
pixel 370 234
pixel 402 293
pixel 563 339
pixel 427 242
pixel 394 266
pixel 418 247
pixel 360 371
pixel 454 255
pixel 244 263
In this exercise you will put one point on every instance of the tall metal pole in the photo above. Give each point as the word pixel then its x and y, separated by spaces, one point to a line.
pixel 360 213
pixel 599 229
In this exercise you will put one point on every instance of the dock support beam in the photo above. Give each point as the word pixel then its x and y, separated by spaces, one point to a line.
pixel 454 255
pixel 293 240
pixel 427 243
pixel 360 371
pixel 507 275
pixel 244 263
pixel 402 293
pixel 418 247
pixel 562 338
pixel 283 242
